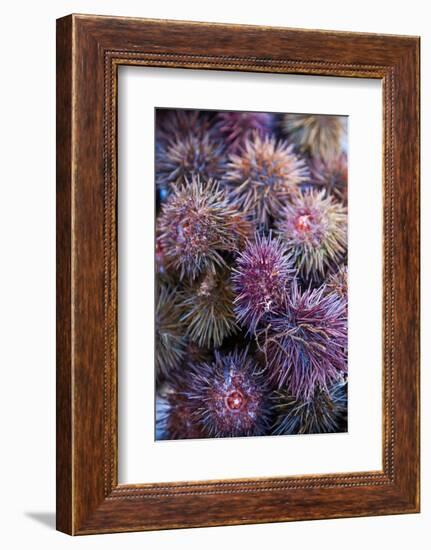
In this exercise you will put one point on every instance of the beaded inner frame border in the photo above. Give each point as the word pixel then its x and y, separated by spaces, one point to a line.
pixel 113 59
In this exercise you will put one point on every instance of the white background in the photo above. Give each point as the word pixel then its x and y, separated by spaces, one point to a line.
pixel 141 458
pixel 27 217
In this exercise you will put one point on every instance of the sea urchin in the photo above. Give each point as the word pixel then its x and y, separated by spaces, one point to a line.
pixel 314 229
pixel 306 345
pixel 173 124
pixel 197 225
pixel 331 175
pixel 175 419
pixel 264 175
pixel 187 156
pixel 208 309
pixel 169 330
pixel 324 412
pixel 229 396
pixel 338 282
pixel 318 135
pixel 261 276
pixel 237 127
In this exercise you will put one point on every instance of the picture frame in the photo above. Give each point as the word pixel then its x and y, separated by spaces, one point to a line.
pixel 89 51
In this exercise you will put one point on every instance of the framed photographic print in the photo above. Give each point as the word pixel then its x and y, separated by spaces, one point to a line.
pixel 237 274
pixel 243 238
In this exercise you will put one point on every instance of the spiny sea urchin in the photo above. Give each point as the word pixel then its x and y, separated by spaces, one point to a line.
pixel 175 419
pixel 318 135
pixel 314 229
pixel 324 412
pixel 264 175
pixel 229 396
pixel 187 156
pixel 306 345
pixel 237 127
pixel 197 224
pixel 331 175
pixel 261 276
pixel 169 330
pixel 208 309
pixel 338 282
pixel 173 124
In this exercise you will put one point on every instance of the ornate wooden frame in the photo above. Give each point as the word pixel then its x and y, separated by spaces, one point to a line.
pixel 89 51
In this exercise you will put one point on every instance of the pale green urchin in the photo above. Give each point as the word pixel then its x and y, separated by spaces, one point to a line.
pixel 319 135
pixel 207 306
pixel 170 340
pixel 324 412
pixel 314 229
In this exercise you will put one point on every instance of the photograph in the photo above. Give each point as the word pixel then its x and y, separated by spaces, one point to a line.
pixel 251 273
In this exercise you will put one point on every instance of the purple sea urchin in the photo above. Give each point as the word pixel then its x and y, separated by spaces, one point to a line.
pixel 306 345
pixel 169 330
pixel 197 225
pixel 261 275
pixel 198 155
pixel 324 412
pixel 237 127
pixel 331 175
pixel 319 135
pixel 314 229
pixel 208 309
pixel 229 396
pixel 264 175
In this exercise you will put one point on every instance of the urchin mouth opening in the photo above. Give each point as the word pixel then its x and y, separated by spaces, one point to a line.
pixel 304 222
pixel 235 401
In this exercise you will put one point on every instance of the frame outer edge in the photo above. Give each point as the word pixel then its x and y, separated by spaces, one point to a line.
pixel 81 507
pixel 64 300
pixel 407 271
